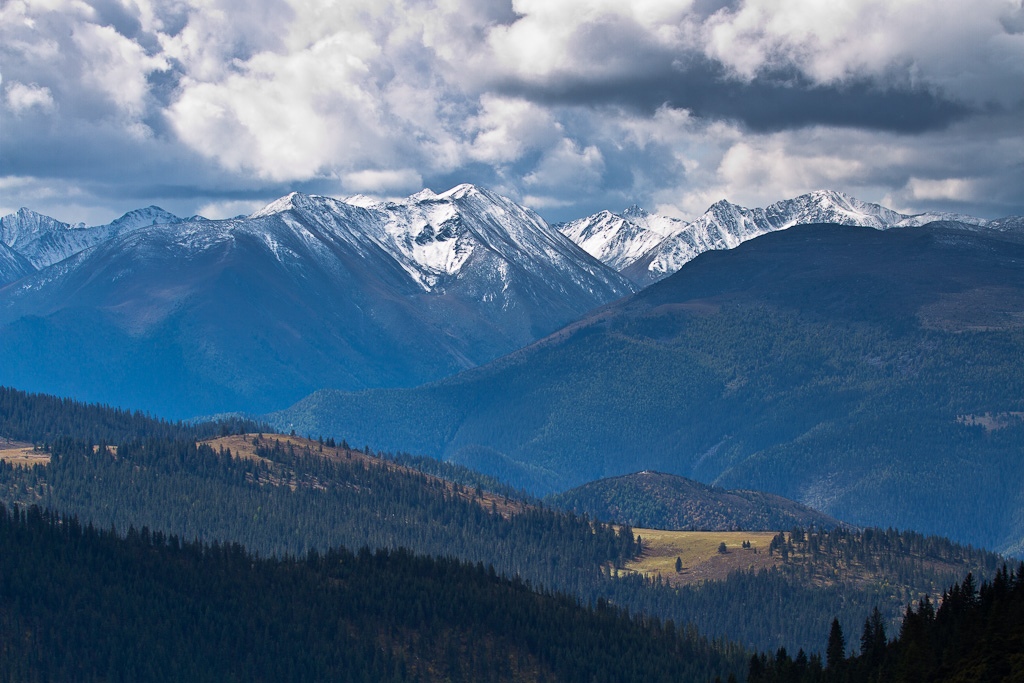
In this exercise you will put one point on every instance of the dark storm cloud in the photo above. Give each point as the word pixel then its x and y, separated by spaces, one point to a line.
pixel 771 102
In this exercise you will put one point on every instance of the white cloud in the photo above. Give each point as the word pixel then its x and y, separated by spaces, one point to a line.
pixel 230 208
pixel 946 189
pixel 382 182
pixel 567 167
pixel 22 97
pixel 538 98
pixel 116 66
pixel 958 48
pixel 507 128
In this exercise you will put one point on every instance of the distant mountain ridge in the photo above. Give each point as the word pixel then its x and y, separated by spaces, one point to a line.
pixel 648 247
pixel 44 241
pixel 198 317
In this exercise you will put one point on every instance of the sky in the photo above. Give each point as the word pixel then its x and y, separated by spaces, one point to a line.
pixel 217 107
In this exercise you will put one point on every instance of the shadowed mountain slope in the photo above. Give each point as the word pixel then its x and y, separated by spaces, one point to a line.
pixel 876 376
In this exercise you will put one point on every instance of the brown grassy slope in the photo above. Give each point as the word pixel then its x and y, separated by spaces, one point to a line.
pixel 245 446
pixel 22 454
pixel 698 551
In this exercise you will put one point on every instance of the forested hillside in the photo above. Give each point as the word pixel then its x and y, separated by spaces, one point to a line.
pixel 40 418
pixel 292 498
pixel 817 576
pixel 86 605
pixel 666 501
pixel 875 376
pixel 286 495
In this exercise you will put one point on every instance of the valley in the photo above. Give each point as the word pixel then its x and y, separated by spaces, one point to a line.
pixel 281 495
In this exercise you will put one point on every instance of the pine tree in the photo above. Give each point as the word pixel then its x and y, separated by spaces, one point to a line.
pixel 836 651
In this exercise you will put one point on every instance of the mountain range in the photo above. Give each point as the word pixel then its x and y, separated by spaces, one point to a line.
pixel 194 316
pixel 199 316
pixel 648 247
pixel 820 363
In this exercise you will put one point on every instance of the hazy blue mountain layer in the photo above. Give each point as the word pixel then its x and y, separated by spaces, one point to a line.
pixel 876 376
pixel 195 317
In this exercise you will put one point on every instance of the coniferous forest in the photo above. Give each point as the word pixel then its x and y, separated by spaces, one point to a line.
pixel 969 634
pixel 293 496
pixel 80 604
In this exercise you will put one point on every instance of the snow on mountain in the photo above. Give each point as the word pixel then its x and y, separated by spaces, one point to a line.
pixel 1007 224
pixel 917 220
pixel 308 292
pixel 632 248
pixel 21 228
pixel 829 206
pixel 618 240
pixel 44 241
pixel 439 239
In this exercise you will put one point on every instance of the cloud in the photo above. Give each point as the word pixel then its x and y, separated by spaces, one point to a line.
pixel 22 98
pixel 959 51
pixel 943 189
pixel 508 128
pixel 574 105
pixel 381 182
pixel 230 208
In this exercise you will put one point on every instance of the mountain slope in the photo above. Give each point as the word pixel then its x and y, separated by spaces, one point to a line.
pixel 857 371
pixel 284 495
pixel 201 316
pixel 619 240
pixel 665 501
pixel 12 265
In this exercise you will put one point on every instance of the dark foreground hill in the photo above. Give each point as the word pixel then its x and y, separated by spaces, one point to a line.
pixel 86 605
pixel 665 501
pixel 876 376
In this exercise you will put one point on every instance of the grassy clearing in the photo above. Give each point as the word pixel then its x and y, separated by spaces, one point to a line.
pixel 243 446
pixel 22 454
pixel 699 553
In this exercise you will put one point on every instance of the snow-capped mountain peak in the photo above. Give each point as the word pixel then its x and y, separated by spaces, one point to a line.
pixel 625 241
pixel 140 218
pixel 634 211
pixel 423 195
pixel 620 239
pixel 460 191
pixel 830 206
pixel 290 202
pixel 25 226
